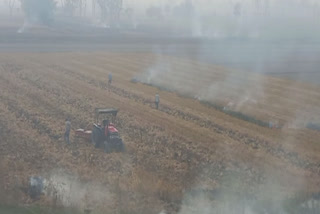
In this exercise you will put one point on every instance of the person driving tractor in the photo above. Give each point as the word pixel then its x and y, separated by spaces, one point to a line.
pixel 106 128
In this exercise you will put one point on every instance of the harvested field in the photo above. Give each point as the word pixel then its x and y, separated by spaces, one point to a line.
pixel 184 146
pixel 282 101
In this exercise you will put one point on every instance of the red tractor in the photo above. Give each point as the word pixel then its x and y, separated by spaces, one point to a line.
pixel 104 135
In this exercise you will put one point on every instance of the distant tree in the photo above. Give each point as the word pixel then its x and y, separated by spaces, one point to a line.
pixel 10 4
pixel 70 6
pixel 237 9
pixel 167 9
pixel 154 12
pixel 83 7
pixel 39 10
pixel 257 4
pixel 316 10
pixel 184 9
pixel 93 5
pixel 266 6
pixel 129 12
pixel 261 6
pixel 82 4
pixel 110 10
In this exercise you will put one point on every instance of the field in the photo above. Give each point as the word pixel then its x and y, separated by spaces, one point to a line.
pixel 185 151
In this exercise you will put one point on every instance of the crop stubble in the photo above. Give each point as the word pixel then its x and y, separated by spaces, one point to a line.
pixel 168 150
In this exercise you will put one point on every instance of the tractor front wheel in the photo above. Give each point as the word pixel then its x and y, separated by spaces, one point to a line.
pixel 95 138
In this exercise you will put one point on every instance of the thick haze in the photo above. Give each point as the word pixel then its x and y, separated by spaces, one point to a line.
pixel 265 19
pixel 226 16
pixel 245 40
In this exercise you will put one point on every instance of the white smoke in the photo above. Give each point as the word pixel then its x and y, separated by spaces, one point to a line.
pixel 158 72
pixel 230 200
pixel 203 205
pixel 236 90
pixel 69 191
pixel 24 27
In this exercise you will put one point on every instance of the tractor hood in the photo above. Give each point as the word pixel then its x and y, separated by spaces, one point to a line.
pixel 112 129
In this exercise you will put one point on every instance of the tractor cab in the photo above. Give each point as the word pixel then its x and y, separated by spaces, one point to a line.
pixel 105 133
pixel 105 115
pixel 108 117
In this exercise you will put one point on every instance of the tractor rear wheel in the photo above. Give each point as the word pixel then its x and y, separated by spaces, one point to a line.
pixel 95 138
pixel 121 147
pixel 107 147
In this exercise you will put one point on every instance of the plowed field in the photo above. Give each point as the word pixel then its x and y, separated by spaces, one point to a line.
pixel 185 145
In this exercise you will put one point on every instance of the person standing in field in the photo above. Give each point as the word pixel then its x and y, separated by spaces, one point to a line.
pixel 67 133
pixel 157 101
pixel 109 79
pixel 106 129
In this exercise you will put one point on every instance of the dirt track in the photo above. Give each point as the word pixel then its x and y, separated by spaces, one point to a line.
pixel 184 145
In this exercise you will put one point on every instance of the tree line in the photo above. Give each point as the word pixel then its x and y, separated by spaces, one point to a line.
pixel 43 10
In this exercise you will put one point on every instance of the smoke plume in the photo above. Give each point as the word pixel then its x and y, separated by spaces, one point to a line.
pixel 39 11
